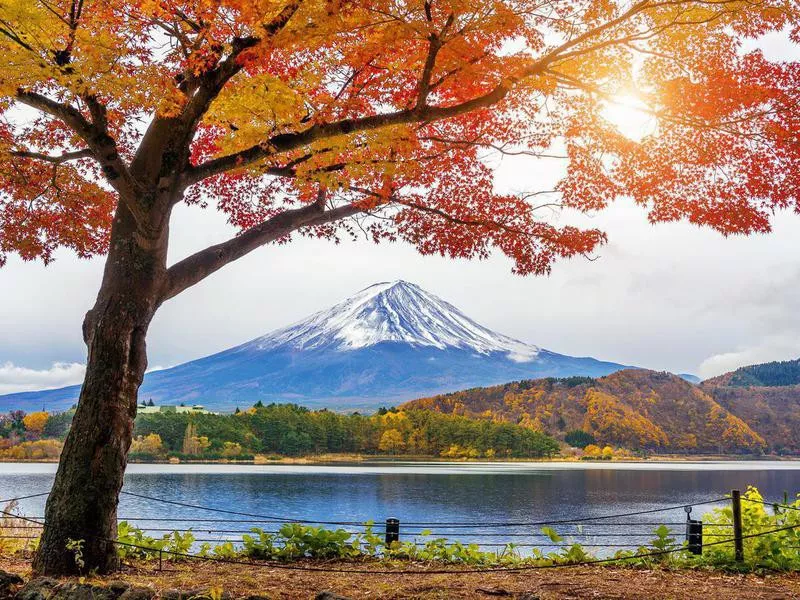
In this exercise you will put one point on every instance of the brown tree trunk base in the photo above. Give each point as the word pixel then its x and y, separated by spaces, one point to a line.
pixel 81 513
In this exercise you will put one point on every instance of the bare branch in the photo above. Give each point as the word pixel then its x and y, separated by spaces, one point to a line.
pixel 200 265
pixel 56 160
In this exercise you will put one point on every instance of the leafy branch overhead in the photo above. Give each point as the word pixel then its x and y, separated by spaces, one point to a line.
pixel 301 115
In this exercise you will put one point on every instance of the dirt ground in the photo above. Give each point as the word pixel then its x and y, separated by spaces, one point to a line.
pixel 562 583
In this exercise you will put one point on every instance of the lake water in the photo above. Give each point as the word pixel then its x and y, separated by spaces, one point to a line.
pixel 418 492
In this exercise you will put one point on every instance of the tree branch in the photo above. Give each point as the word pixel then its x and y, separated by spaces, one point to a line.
pixel 200 265
pixel 102 146
pixel 290 141
pixel 419 113
pixel 56 160
pixel 452 218
pixel 210 84
pixel 434 45
pixel 201 91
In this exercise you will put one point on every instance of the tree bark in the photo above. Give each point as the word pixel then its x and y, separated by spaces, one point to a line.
pixel 83 501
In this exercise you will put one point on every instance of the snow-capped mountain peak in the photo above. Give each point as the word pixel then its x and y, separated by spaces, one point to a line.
pixel 388 343
pixel 396 311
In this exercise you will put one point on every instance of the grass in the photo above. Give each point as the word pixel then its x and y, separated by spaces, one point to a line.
pixel 14 531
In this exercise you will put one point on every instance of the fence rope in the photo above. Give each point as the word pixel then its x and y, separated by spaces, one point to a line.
pixel 6 501
pixel 447 524
pixel 265 518
pixel 443 524
pixel 772 504
pixel 520 568
pixel 510 569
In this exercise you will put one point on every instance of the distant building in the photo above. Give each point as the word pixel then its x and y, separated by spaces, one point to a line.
pixel 149 408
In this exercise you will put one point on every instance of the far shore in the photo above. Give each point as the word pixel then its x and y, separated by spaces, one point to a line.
pixel 323 459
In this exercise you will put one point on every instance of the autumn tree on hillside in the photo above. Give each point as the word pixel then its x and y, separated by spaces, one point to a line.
pixel 35 422
pixel 330 117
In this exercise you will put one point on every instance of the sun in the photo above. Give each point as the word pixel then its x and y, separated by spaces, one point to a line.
pixel 630 115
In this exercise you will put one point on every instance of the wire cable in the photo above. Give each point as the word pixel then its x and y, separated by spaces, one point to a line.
pixel 448 524
pixel 520 568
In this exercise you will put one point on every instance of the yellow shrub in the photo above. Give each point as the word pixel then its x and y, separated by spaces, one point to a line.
pixel 35 421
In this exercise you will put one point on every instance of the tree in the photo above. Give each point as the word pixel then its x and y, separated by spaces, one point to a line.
pixel 149 444
pixel 579 438
pixel 335 117
pixel 58 425
pixel 592 451
pixel 231 449
pixel 193 444
pixel 35 422
pixel 391 442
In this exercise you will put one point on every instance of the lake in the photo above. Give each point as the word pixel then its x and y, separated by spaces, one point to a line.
pixel 421 492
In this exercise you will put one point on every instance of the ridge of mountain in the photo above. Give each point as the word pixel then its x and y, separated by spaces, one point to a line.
pixel 770 374
pixel 389 342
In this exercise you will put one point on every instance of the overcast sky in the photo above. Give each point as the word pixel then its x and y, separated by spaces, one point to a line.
pixel 668 297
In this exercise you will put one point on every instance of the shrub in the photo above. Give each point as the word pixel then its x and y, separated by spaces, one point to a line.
pixel 577 438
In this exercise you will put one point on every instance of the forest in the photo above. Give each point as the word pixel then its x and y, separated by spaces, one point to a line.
pixel 288 430
pixel 635 409
pixel 771 374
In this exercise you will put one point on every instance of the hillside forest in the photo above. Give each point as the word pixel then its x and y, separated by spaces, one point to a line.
pixel 633 411
pixel 645 410
pixel 288 430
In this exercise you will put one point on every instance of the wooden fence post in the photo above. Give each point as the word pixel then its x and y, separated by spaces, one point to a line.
pixel 736 505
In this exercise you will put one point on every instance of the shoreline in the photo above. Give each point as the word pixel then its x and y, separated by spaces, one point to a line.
pixel 333 459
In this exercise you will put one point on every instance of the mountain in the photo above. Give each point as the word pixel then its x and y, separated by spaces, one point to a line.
pixel 632 408
pixel 388 343
pixel 765 395
pixel 771 374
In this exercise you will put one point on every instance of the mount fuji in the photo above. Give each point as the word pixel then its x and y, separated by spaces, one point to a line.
pixel 388 343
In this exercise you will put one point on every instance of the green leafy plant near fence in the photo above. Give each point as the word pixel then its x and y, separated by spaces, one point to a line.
pixel 771 542
pixel 770 550
pixel 779 550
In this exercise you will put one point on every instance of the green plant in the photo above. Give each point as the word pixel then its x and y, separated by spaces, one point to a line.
pixel 76 547
pixel 178 544
pixel 226 550
pixel 305 541
pixel 132 542
pixel 261 546
pixel 774 550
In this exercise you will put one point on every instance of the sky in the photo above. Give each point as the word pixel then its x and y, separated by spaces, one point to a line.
pixel 669 297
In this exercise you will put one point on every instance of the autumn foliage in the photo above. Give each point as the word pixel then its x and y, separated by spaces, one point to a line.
pixel 391 107
pixel 634 409
pixel 35 421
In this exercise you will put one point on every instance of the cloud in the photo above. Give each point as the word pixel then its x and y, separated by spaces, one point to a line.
pixel 777 347
pixel 14 378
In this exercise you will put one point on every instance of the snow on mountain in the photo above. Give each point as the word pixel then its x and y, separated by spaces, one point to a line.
pixel 389 343
pixel 395 311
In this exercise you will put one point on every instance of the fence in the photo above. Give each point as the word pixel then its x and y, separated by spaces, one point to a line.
pixel 610 531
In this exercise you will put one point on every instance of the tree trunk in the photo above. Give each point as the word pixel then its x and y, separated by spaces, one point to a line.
pixel 82 505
